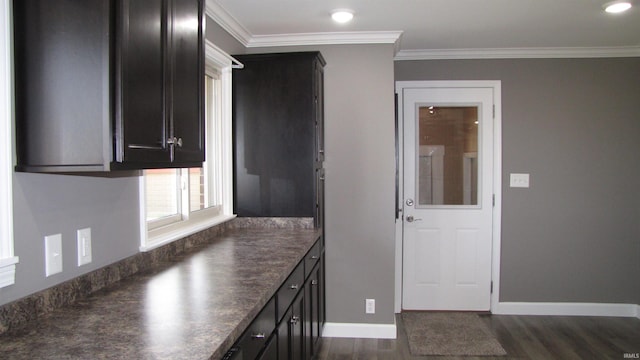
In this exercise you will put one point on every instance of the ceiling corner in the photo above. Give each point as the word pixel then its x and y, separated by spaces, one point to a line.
pixel 228 22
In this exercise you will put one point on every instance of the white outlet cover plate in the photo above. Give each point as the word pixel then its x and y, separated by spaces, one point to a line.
pixel 53 254
pixel 370 307
pixel 519 180
pixel 84 246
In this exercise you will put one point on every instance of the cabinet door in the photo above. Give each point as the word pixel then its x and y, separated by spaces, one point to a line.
pixel 62 84
pixel 291 330
pixel 319 187
pixel 271 350
pixel 311 315
pixel 187 90
pixel 141 127
pixel 283 339
pixel 297 328
pixel 321 293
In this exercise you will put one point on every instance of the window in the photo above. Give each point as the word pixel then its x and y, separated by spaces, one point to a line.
pixel 179 202
pixel 7 259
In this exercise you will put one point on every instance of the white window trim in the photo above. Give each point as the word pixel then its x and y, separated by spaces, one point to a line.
pixel 154 238
pixel 7 259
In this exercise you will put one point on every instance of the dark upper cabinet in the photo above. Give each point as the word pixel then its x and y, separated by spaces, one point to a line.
pixel 108 85
pixel 278 134
pixel 188 74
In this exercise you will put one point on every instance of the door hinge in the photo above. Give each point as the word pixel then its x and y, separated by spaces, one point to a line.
pixel 491 289
pixel 494 111
pixel 493 200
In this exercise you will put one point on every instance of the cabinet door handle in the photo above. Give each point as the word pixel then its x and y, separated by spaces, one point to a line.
pixel 175 141
pixel 294 287
pixel 314 282
pixel 294 320
pixel 258 336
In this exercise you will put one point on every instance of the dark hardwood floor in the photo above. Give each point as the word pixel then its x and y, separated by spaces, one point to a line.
pixel 523 337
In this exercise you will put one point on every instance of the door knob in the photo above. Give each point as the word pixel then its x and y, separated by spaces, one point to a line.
pixel 410 218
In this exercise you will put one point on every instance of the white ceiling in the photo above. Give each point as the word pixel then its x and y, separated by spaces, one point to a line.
pixel 425 28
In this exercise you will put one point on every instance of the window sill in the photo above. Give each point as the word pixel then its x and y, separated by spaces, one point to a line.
pixel 8 271
pixel 167 234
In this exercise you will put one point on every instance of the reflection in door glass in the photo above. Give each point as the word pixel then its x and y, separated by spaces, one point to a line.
pixel 447 155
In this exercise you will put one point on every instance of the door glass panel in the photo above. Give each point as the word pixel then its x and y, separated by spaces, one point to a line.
pixel 447 155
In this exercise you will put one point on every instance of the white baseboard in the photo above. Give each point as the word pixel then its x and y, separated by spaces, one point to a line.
pixel 368 331
pixel 567 309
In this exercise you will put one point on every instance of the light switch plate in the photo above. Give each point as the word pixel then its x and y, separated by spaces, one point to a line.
pixel 53 254
pixel 84 246
pixel 519 180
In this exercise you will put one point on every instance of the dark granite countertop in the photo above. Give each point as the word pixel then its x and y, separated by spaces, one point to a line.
pixel 194 307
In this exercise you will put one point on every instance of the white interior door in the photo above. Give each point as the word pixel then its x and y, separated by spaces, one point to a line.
pixel 448 197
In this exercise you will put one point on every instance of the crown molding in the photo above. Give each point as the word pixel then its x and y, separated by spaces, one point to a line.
pixel 228 22
pixel 326 38
pixel 519 53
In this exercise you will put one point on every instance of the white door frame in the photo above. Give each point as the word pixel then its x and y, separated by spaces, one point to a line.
pixel 497 179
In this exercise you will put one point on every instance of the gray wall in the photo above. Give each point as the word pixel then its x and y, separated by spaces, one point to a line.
pixel 360 166
pixel 51 204
pixel 360 173
pixel 574 125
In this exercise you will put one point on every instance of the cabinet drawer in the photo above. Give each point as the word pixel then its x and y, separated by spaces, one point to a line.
pixel 290 289
pixel 311 258
pixel 257 334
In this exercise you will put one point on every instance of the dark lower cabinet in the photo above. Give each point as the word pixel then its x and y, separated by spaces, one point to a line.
pixel 271 350
pixel 291 341
pixel 322 313
pixel 290 326
pixel 311 313
pixel 256 337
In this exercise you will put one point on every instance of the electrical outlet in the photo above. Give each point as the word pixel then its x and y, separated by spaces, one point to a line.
pixel 53 254
pixel 84 246
pixel 370 306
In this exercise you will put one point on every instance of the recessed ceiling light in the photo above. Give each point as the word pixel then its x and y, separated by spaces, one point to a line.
pixel 342 15
pixel 617 7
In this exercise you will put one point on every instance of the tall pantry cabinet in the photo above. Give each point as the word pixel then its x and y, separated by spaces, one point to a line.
pixel 278 114
pixel 278 142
